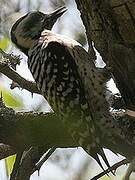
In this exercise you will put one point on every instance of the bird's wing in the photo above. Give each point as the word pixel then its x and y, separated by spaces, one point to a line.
pixel 93 80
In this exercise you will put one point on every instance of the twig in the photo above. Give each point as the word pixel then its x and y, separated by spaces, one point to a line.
pixel 13 75
pixel 114 167
pixel 40 163
pixel 11 59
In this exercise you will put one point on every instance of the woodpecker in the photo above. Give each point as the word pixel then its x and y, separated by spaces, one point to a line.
pixel 69 80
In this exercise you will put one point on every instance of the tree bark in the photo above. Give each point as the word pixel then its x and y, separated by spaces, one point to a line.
pixel 111 26
pixel 23 130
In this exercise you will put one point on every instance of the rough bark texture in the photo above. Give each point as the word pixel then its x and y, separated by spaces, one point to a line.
pixel 23 130
pixel 111 26
pixel 34 133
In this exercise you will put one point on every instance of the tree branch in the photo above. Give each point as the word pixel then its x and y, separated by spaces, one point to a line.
pixel 23 130
pixel 13 75
pixel 6 150
pixel 114 167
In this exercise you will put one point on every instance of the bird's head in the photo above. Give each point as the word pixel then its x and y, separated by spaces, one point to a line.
pixel 28 28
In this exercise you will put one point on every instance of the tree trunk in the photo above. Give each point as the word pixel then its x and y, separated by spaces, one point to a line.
pixel 111 26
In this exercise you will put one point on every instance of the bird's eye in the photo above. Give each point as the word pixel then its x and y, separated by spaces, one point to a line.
pixel 36 16
pixel 32 19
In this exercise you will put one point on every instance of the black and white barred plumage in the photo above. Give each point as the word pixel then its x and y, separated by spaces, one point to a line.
pixel 69 81
pixel 56 75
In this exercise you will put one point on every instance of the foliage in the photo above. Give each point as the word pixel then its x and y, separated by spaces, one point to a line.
pixel 4 43
pixel 9 163
pixel 10 99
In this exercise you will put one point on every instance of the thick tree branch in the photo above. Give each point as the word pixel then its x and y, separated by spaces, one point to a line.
pixel 23 130
pixel 110 25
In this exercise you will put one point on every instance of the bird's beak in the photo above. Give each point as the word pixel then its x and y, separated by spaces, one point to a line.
pixel 51 18
pixel 58 12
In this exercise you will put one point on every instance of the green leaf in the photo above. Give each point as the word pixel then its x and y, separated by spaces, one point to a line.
pixel 10 163
pixel 10 99
pixel 4 42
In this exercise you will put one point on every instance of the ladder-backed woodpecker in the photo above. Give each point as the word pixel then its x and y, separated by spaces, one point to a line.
pixel 69 81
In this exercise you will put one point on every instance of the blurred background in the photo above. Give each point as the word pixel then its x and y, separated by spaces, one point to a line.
pixel 64 164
